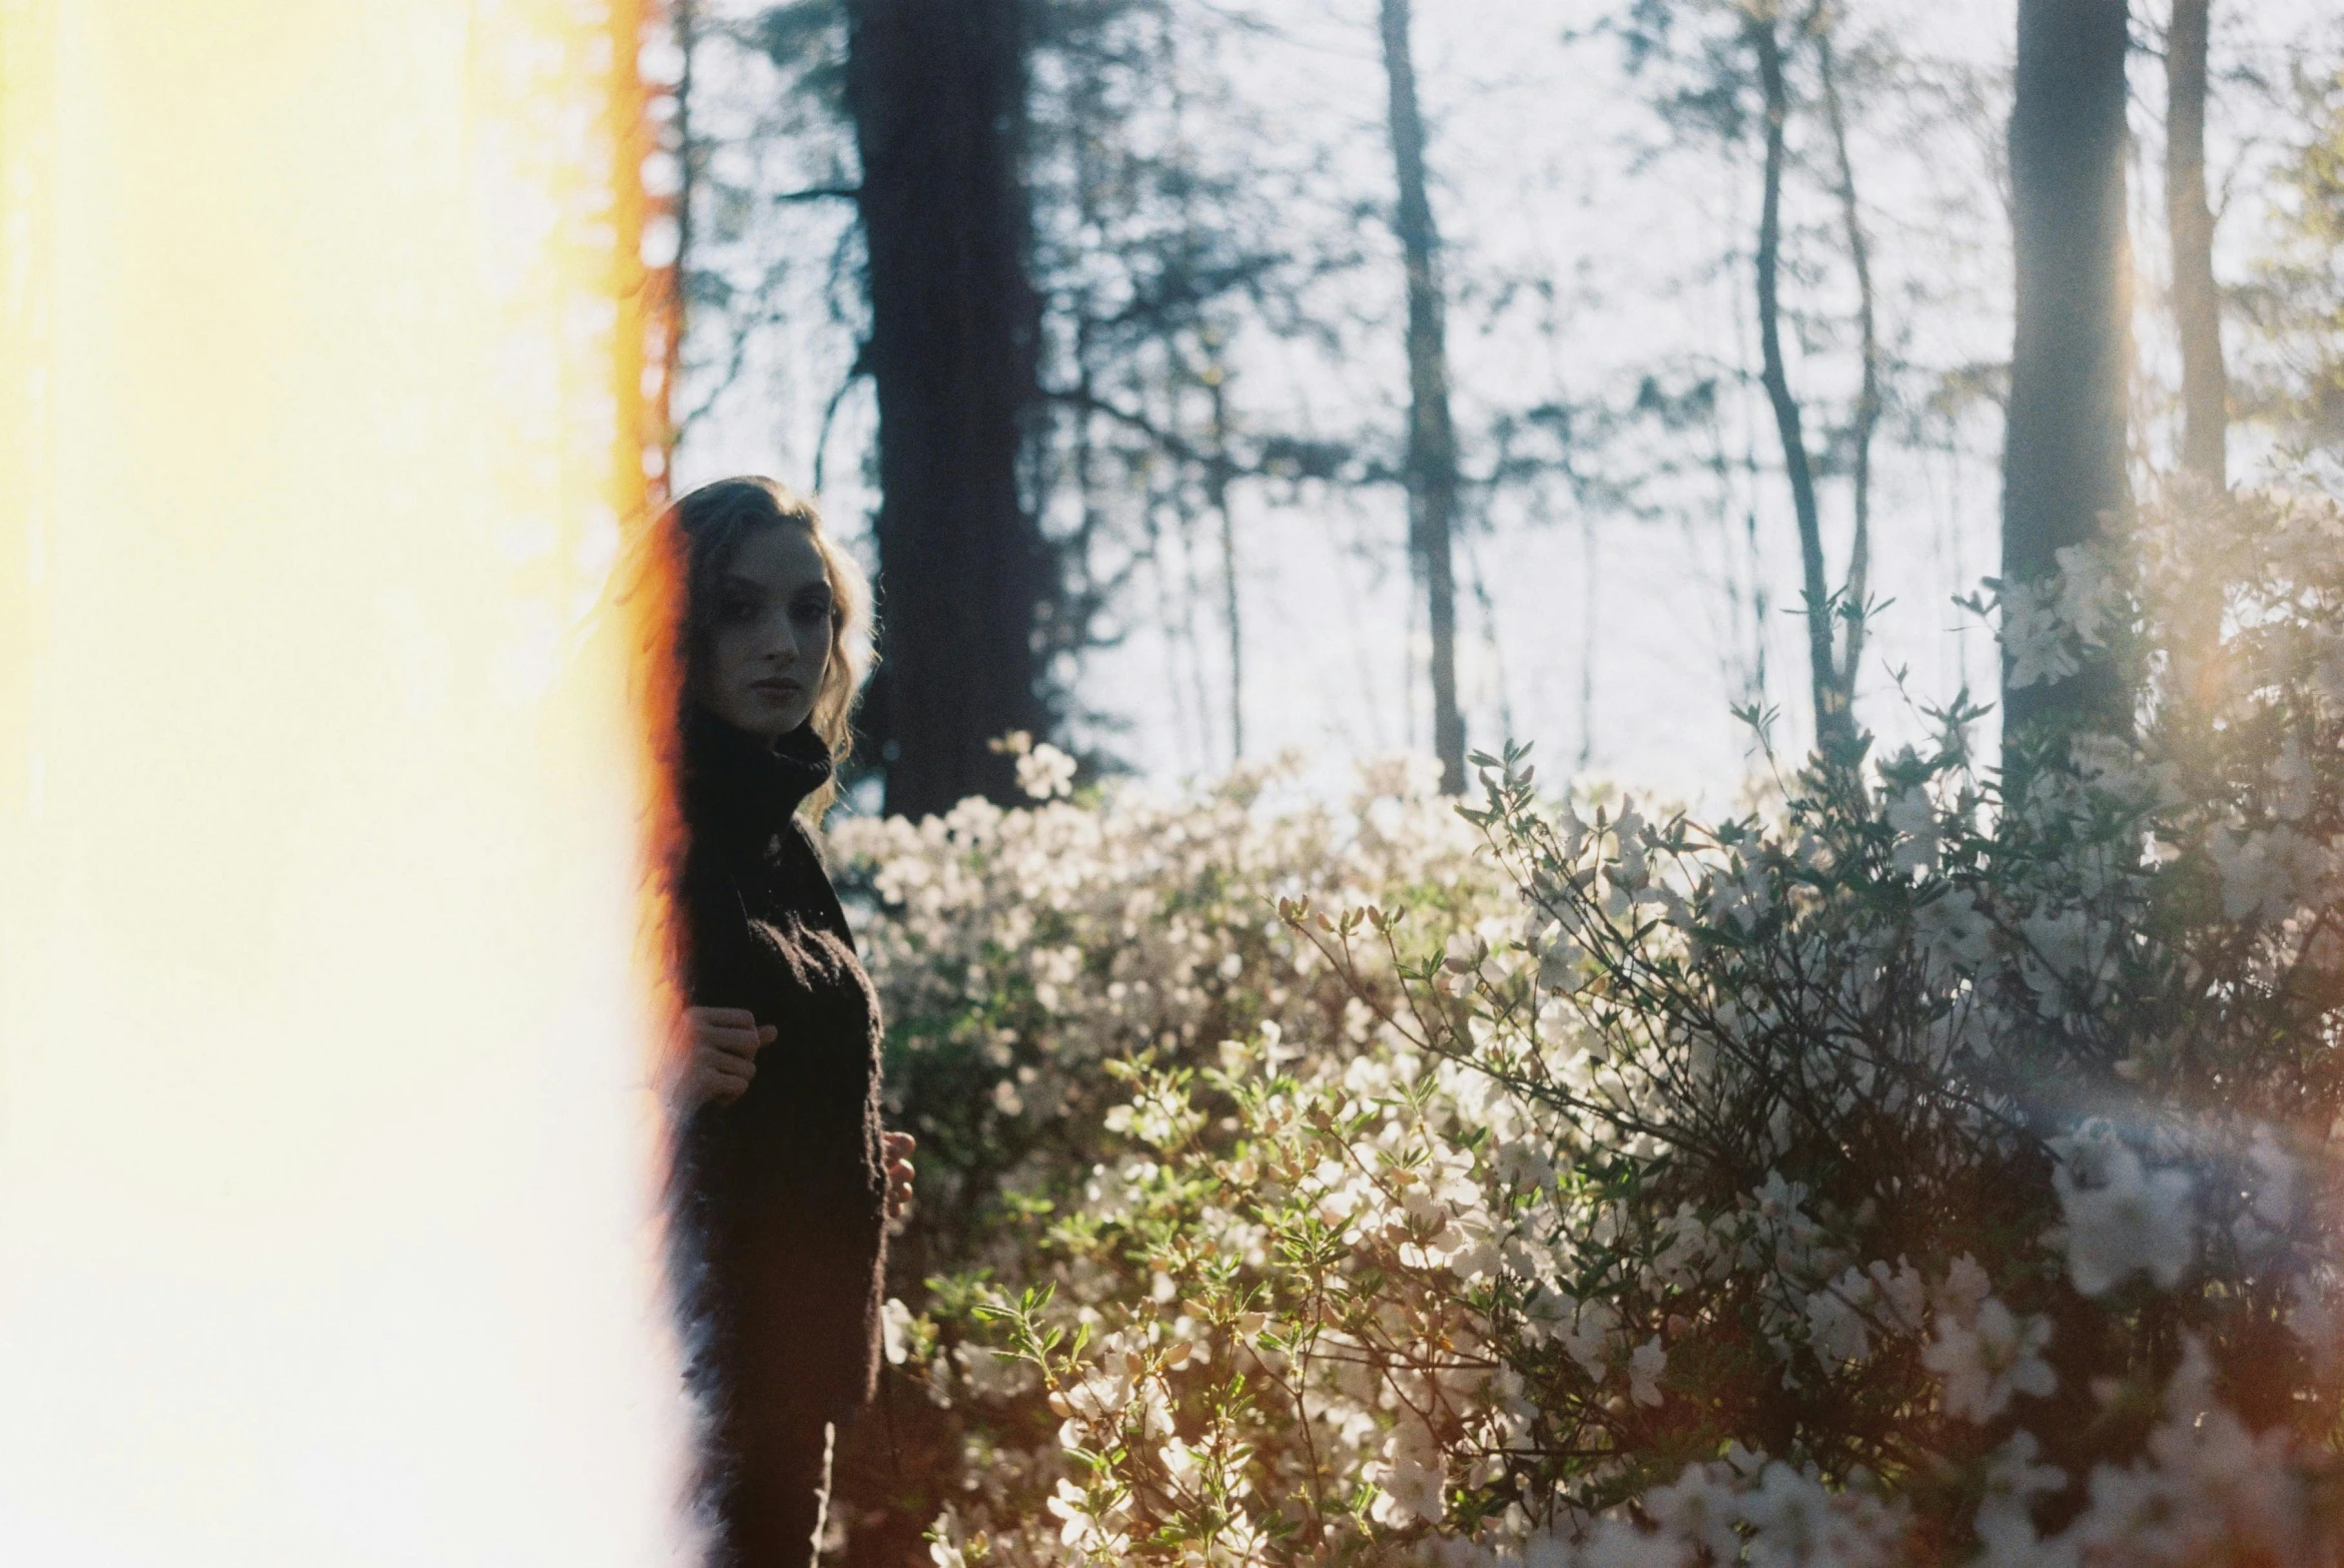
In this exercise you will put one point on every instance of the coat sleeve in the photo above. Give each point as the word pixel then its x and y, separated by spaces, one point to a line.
pixel 815 1188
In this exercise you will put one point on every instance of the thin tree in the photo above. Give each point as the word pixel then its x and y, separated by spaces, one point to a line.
pixel 937 92
pixel 1432 439
pixel 1218 470
pixel 2063 449
pixel 1831 657
pixel 2197 303
pixel 1866 424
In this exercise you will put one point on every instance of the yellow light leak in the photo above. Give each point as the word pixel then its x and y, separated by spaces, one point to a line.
pixel 329 392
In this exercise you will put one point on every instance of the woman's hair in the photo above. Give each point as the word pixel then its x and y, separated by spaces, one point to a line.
pixel 713 521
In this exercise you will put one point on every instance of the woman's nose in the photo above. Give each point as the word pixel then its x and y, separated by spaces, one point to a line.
pixel 782 643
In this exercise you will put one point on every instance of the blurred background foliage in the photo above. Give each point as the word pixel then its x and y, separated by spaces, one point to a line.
pixel 1288 459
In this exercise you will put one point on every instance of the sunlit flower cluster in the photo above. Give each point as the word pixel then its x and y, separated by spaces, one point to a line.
pixel 1938 1168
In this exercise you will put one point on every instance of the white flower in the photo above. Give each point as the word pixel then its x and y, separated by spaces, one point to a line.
pixel 1690 1248
pixel 1965 1286
pixel 1699 1510
pixel 1071 1505
pixel 2089 594
pixel 1836 1325
pixel 1045 772
pixel 1797 1523
pixel 2005 1527
pixel 2272 1196
pixel 2265 873
pixel 1588 1342
pixel 1644 1369
pixel 1615 1544
pixel 1914 818
pixel 1523 1162
pixel 1084 1531
pixel 1987 1361
pixel 2035 635
pixel 1902 1294
pixel 2295 779
pixel 1558 965
pixel 2121 1216
pixel 895 1320
pixel 1413 1478
pixel 1183 1463
pixel 1955 929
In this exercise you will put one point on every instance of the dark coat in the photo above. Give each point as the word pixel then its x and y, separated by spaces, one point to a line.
pixel 781 1198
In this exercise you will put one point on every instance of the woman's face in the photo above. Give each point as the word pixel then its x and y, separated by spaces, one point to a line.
pixel 769 633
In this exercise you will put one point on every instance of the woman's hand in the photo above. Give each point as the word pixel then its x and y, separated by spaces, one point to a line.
pixel 721 1046
pixel 895 1152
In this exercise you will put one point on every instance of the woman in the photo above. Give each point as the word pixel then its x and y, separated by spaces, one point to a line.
pixel 785 1179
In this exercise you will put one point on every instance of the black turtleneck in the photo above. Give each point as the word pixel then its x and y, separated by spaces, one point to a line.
pixel 784 1195
pixel 741 797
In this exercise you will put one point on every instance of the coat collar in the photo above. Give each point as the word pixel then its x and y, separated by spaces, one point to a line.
pixel 740 791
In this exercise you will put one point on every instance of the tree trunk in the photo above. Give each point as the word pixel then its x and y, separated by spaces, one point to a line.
pixel 1834 723
pixel 2064 451
pixel 1432 441
pixel 1867 396
pixel 936 91
pixel 1218 472
pixel 2197 304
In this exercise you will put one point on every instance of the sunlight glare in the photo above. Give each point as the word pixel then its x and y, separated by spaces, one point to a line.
pixel 328 362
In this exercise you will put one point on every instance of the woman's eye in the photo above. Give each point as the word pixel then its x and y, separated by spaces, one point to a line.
pixel 736 611
pixel 812 613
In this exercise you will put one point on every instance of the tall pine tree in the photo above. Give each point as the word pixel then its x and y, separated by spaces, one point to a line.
pixel 2064 451
pixel 936 91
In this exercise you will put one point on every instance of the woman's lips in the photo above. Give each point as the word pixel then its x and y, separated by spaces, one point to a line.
pixel 777 688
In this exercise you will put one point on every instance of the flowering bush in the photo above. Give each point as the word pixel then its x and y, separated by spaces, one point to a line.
pixel 1936 1170
pixel 1022 955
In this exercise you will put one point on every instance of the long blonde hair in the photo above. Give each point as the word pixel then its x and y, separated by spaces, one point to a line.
pixel 713 520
